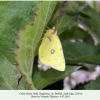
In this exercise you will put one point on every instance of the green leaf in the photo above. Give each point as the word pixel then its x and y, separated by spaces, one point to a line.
pixel 93 85
pixel 13 17
pixel 8 74
pixel 29 39
pixel 41 79
pixel 76 33
pixel 22 85
pixel 74 7
pixel 63 22
pixel 92 22
pixel 80 52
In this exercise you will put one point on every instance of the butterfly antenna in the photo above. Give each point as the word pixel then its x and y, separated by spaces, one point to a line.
pixel 60 21
pixel 57 21
pixel 47 27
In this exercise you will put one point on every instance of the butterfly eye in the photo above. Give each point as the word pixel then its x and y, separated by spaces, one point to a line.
pixel 54 30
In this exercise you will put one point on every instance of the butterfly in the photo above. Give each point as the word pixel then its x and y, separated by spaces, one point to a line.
pixel 50 50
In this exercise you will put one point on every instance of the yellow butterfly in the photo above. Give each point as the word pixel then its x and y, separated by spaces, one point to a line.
pixel 50 50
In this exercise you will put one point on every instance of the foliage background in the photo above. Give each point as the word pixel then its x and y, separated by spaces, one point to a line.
pixel 22 26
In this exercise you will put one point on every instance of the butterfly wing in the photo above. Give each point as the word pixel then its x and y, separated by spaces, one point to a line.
pixel 51 53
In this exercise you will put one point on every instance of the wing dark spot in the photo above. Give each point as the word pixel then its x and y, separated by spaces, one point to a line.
pixel 52 51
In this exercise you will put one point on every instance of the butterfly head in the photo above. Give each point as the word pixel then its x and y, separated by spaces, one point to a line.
pixel 51 32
